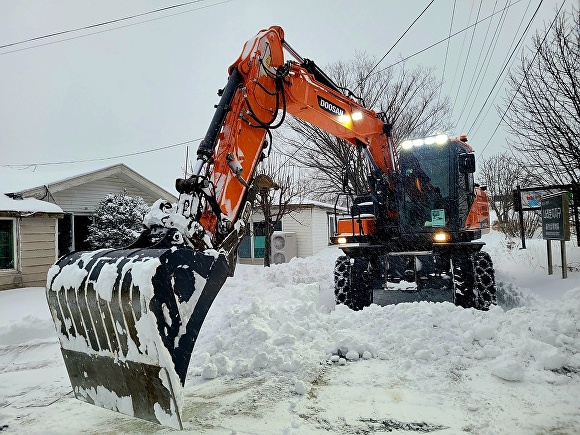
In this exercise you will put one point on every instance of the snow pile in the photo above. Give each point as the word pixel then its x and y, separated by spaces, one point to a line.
pixel 282 321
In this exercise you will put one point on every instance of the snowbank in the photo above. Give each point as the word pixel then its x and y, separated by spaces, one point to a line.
pixel 275 355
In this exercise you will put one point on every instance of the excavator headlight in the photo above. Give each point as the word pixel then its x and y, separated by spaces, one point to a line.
pixel 431 140
pixel 356 116
pixel 341 240
pixel 344 119
pixel 441 236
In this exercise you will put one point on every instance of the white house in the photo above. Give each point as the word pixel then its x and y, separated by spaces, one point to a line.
pixel 311 222
pixel 28 234
pixel 44 215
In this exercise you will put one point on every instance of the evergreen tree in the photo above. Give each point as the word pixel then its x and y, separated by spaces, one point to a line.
pixel 117 221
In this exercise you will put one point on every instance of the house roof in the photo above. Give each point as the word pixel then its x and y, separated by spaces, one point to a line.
pixel 27 205
pixel 307 202
pixel 31 182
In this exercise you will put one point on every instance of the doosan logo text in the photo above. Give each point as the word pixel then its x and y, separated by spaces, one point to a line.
pixel 329 107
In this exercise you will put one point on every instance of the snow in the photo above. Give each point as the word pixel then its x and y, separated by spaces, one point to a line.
pixel 27 205
pixel 276 356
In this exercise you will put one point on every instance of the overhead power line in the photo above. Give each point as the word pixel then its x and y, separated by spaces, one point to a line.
pixel 462 47
pixel 487 61
pixel 397 41
pixel 104 23
pixel 467 56
pixel 100 159
pixel 508 59
pixel 524 76
pixel 504 68
pixel 445 39
pixel 446 52
pixel 105 30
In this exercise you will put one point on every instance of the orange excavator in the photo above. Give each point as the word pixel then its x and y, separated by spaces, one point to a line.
pixel 128 319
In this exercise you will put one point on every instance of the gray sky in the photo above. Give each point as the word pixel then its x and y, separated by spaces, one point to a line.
pixel 153 84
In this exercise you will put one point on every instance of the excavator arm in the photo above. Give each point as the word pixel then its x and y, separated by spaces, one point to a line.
pixel 262 88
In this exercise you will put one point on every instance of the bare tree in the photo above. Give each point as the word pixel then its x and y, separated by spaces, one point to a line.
pixel 407 99
pixel 543 109
pixel 280 191
pixel 502 173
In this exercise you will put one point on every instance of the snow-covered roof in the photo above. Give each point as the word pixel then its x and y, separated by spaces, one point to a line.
pixel 308 201
pixel 17 180
pixel 312 202
pixel 27 205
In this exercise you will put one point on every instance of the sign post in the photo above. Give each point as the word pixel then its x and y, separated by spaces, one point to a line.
pixel 556 226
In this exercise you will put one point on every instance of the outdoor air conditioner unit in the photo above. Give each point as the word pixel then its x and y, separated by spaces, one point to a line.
pixel 283 247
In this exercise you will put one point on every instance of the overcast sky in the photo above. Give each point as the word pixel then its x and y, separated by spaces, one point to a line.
pixel 151 82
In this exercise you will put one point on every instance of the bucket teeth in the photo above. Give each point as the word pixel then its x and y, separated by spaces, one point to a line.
pixel 127 321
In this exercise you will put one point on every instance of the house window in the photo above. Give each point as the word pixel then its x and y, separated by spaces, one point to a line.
pixel 245 249
pixel 331 226
pixel 65 235
pixel 7 252
pixel 259 239
pixel 81 232
pixel 73 230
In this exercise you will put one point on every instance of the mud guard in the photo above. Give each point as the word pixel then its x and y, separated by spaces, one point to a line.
pixel 127 322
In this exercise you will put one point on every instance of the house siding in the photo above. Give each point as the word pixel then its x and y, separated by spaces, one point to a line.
pixel 310 223
pixel 300 222
pixel 83 199
pixel 319 230
pixel 36 253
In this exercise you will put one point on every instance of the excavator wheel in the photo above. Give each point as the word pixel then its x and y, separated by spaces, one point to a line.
pixel 485 279
pixel 463 272
pixel 352 285
pixel 341 280
pixel 474 280
pixel 127 321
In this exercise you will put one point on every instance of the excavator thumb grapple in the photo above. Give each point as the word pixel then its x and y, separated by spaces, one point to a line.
pixel 127 321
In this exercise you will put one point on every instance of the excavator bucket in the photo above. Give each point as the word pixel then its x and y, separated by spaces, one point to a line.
pixel 127 321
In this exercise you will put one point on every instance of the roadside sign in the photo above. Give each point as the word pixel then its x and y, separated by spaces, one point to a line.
pixel 532 200
pixel 555 216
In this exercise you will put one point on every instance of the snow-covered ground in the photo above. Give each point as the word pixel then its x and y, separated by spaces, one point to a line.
pixel 269 359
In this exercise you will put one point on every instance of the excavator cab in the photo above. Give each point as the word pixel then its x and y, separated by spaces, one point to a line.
pixel 434 193
pixel 437 187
